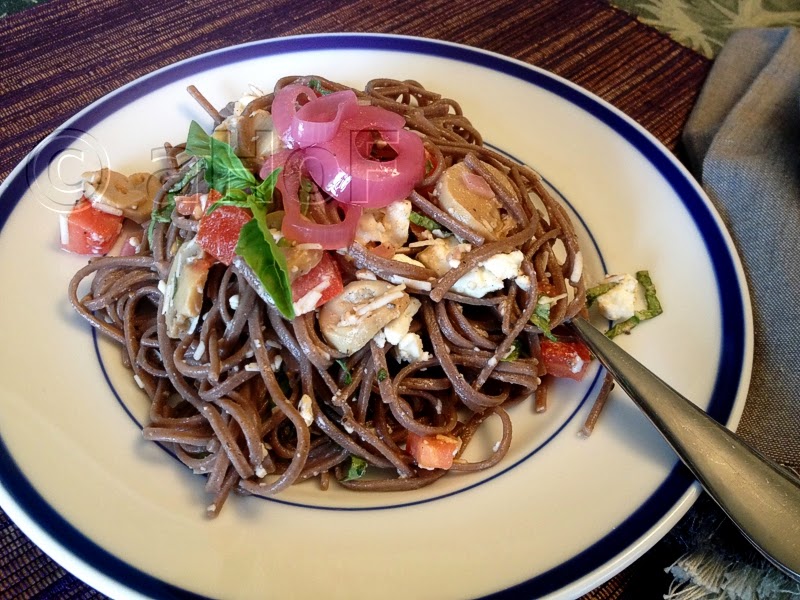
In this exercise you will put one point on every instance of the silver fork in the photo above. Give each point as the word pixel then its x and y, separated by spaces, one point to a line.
pixel 760 497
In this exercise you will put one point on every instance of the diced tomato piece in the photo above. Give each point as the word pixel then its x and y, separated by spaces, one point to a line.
pixel 565 359
pixel 326 269
pixel 219 232
pixel 90 231
pixel 433 451
pixel 196 204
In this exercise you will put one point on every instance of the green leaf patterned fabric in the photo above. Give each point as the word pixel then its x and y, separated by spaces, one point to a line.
pixel 705 25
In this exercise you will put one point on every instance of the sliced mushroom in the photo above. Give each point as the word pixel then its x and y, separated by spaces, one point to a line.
pixel 469 199
pixel 183 294
pixel 352 319
pixel 250 134
pixel 130 196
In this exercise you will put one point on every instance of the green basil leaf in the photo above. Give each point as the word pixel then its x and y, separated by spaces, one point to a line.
pixel 262 254
pixel 162 214
pixel 224 170
pixel 382 374
pixel 653 307
pixel 356 469
pixel 348 378
pixel 514 353
pixel 316 85
pixel 541 318
pixel 423 221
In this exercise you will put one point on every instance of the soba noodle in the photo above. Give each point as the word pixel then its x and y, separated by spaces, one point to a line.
pixel 228 397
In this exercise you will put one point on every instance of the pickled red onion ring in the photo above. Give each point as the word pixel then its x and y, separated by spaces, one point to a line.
pixel 285 107
pixel 298 228
pixel 319 121
pixel 353 178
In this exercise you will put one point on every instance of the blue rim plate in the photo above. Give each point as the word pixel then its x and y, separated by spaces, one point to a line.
pixel 558 518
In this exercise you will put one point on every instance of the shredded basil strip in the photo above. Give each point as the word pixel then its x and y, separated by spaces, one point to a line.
pixel 268 263
pixel 593 293
pixel 356 469
pixel 653 307
pixel 514 353
pixel 316 85
pixel 382 374
pixel 541 318
pixel 423 221
pixel 348 378
pixel 199 164
pixel 160 215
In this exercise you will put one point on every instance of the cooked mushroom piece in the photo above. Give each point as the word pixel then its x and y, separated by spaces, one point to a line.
pixel 249 134
pixel 125 195
pixel 352 319
pixel 183 294
pixel 469 199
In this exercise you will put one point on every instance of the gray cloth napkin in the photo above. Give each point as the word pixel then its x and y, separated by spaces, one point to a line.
pixel 743 142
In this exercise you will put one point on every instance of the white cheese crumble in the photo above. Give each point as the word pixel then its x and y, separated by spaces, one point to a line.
pixel 309 302
pixel 305 409
pixel 396 329
pixel 233 301
pixel 409 348
pixel 490 274
pixel 618 303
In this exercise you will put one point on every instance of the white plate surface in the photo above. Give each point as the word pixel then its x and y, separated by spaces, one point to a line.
pixel 558 517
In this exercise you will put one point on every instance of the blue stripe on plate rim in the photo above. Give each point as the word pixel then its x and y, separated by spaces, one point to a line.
pixel 676 487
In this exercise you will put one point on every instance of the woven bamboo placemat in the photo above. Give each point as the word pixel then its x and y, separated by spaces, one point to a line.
pixel 58 57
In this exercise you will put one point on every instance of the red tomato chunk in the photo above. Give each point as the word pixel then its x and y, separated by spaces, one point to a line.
pixel 566 359
pixel 326 269
pixel 218 233
pixel 90 231
pixel 433 451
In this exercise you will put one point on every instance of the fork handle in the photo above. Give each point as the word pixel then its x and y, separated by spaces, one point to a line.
pixel 760 497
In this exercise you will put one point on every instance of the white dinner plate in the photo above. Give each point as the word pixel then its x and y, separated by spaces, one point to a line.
pixel 559 516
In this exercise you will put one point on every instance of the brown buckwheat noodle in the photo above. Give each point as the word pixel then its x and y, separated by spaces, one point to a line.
pixel 225 398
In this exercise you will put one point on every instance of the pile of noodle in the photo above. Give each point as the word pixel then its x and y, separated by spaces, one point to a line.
pixel 225 398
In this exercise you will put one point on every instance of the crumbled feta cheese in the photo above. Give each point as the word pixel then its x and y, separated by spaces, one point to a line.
pixel 138 381
pixel 276 363
pixel 309 302
pixel 387 226
pixel 523 282
pixel 496 446
pixel 379 339
pixel 619 303
pixel 253 367
pixel 409 349
pixel 233 301
pixel 306 411
pixel 396 329
pixel 489 275
pixel 261 472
